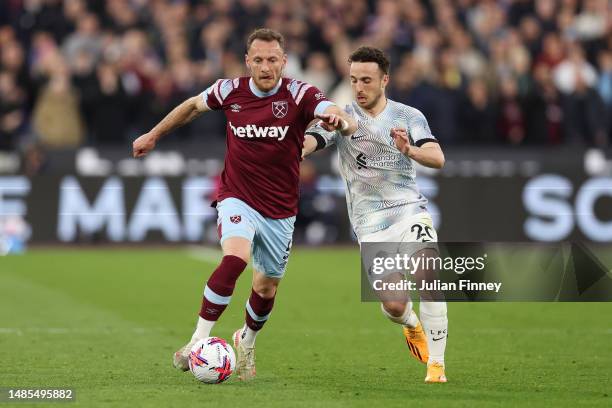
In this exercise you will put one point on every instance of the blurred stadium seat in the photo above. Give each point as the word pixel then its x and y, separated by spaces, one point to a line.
pixel 80 79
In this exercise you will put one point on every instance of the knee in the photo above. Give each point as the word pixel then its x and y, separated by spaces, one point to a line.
pixel 395 309
pixel 266 288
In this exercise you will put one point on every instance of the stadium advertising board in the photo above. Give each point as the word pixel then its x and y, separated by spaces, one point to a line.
pixel 546 207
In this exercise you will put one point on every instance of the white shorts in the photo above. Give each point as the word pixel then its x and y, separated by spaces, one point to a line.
pixel 409 237
pixel 418 228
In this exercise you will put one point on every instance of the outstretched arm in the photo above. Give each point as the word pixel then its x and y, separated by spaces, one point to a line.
pixel 334 118
pixel 179 116
pixel 314 141
pixel 317 138
pixel 429 154
pixel 310 145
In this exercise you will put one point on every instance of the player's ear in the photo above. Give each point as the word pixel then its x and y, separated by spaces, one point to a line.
pixel 384 82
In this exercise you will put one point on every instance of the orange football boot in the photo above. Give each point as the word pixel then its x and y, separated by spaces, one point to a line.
pixel 435 373
pixel 417 342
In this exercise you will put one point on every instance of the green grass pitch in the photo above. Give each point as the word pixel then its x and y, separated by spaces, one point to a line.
pixel 107 321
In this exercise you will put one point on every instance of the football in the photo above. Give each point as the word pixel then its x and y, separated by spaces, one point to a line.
pixel 212 360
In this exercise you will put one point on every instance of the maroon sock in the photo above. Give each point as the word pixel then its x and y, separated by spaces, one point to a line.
pixel 258 310
pixel 220 286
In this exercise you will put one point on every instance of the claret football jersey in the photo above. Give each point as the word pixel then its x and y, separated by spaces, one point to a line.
pixel 265 134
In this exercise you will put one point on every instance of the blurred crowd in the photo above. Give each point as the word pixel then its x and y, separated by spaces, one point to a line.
pixel 514 72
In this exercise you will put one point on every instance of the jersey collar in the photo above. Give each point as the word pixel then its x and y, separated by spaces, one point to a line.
pixel 257 92
pixel 367 115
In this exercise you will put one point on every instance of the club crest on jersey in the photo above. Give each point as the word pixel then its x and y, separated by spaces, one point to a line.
pixel 280 109
pixel 236 219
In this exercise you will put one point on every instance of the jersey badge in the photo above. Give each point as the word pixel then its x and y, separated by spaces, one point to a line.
pixel 280 109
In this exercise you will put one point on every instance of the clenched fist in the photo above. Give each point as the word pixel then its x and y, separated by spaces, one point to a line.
pixel 143 145
pixel 331 122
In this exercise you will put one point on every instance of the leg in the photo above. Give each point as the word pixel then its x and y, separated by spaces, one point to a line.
pixel 432 311
pixel 259 306
pixel 236 223
pixel 236 233
pixel 396 304
pixel 258 309
pixel 220 286
pixel 270 256
pixel 434 318
pixel 402 313
pixel 433 315
pixel 271 249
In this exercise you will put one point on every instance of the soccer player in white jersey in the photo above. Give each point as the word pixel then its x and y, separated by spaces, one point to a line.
pixel 377 163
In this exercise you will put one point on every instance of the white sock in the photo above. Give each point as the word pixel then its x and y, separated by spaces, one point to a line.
pixel 248 336
pixel 203 329
pixel 435 323
pixel 408 319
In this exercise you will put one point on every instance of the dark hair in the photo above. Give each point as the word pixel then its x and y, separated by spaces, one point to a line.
pixel 371 54
pixel 266 34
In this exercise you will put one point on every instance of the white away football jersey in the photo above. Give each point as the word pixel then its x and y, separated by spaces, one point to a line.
pixel 380 181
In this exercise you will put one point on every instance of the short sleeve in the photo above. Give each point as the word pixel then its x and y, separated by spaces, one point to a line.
pixel 418 128
pixel 215 95
pixel 314 101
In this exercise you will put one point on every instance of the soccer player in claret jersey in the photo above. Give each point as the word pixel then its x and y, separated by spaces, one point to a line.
pixel 383 199
pixel 267 115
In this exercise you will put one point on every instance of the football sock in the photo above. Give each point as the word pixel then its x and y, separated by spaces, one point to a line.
pixel 248 336
pixel 258 311
pixel 435 323
pixel 203 328
pixel 218 293
pixel 408 318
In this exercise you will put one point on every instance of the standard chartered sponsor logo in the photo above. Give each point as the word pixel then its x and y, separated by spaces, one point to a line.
pixel 392 161
pixel 252 131
pixel 388 160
